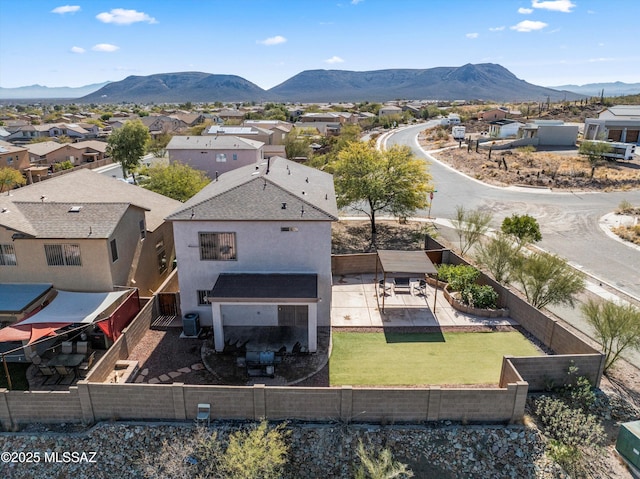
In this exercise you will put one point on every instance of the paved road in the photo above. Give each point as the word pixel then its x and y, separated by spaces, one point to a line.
pixel 569 222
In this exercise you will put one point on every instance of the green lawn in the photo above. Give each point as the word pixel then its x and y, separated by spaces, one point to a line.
pixel 395 359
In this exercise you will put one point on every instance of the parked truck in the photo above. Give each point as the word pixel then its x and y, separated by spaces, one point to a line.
pixel 458 132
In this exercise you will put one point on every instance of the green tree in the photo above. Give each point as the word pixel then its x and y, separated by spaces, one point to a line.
pixel 297 145
pixel 127 145
pixel 10 177
pixel 524 228
pixel 380 466
pixel 617 327
pixel 470 226
pixel 547 279
pixel 373 181
pixel 158 144
pixel 594 151
pixel 176 180
pixel 497 255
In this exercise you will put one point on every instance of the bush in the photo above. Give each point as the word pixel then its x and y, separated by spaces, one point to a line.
pixel 482 297
pixel 571 427
pixel 459 277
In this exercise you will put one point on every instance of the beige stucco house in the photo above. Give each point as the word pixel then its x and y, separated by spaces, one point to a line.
pixel 86 232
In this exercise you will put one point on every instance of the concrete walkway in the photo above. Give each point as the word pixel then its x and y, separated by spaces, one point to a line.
pixel 356 302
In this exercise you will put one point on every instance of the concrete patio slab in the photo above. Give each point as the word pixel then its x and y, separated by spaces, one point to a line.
pixel 357 302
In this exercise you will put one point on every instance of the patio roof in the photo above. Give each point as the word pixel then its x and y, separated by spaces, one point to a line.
pixel 252 287
pixel 405 262
pixel 16 297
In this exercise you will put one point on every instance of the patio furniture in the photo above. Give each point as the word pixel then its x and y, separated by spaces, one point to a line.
pixel 84 367
pixel 65 372
pixel 260 363
pixel 49 373
pixel 384 287
pixel 66 347
pixel 402 284
pixel 66 364
pixel 422 287
pixel 82 347
pixel 204 413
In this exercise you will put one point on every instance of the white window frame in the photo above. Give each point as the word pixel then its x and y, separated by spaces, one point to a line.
pixel 8 255
pixel 63 254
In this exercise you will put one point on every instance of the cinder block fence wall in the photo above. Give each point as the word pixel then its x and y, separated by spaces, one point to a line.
pixel 94 400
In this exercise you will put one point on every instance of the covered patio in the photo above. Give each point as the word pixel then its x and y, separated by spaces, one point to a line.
pixel 265 312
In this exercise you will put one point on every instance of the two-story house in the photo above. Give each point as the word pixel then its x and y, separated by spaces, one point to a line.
pixel 215 155
pixel 86 232
pixel 11 156
pixel 254 250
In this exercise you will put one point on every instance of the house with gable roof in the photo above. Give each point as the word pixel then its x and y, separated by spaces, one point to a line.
pixel 86 232
pixel 215 155
pixel 254 251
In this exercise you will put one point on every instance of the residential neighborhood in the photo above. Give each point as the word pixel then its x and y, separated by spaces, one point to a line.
pixel 238 298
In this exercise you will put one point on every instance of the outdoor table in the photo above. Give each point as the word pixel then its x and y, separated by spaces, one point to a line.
pixel 66 360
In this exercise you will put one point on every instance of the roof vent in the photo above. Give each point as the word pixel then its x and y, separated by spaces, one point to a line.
pixel 75 209
pixel 284 206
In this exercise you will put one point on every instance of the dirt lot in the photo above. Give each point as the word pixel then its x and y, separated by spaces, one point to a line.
pixel 558 169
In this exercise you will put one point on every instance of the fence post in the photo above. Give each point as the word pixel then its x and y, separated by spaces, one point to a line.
pixel 5 413
pixel 433 404
pixel 346 404
pixel 179 408
pixel 88 417
pixel 259 402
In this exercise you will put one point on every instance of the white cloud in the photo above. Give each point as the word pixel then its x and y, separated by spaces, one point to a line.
pixel 66 9
pixel 496 29
pixel 105 47
pixel 355 2
pixel 601 59
pixel 334 59
pixel 77 50
pixel 120 16
pixel 525 11
pixel 555 5
pixel 278 39
pixel 472 35
pixel 528 26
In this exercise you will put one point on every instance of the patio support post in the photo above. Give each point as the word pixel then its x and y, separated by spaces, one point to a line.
pixel 6 372
pixel 312 326
pixel 218 330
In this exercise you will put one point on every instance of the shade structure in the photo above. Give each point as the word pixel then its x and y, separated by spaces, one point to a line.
pixel 397 264
pixel 66 308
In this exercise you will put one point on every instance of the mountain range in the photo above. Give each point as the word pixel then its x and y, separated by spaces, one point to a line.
pixel 595 89
pixel 45 92
pixel 486 81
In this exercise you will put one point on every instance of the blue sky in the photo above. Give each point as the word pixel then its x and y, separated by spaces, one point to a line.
pixel 545 42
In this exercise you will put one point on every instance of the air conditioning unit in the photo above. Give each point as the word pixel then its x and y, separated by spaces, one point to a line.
pixel 191 324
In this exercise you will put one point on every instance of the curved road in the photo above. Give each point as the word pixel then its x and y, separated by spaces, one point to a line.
pixel 568 220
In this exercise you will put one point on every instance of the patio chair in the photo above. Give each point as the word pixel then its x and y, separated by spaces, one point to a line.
pixel 422 287
pixel 82 347
pixel 50 374
pixel 66 347
pixel 384 287
pixel 204 413
pixel 84 367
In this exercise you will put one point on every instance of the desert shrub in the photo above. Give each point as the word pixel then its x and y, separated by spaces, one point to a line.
pixel 483 297
pixel 65 165
pixel 625 207
pixel 567 425
pixel 458 276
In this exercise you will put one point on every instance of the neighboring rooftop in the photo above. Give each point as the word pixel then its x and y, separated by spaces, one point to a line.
pixel 84 187
pixel 223 142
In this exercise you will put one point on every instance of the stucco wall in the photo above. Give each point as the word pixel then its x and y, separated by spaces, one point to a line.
pixel 261 248
pixel 205 160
